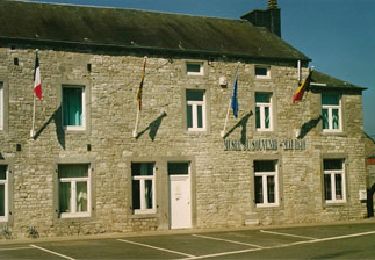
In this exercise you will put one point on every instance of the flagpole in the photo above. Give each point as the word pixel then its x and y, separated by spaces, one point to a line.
pixel 230 102
pixel 135 131
pixel 32 131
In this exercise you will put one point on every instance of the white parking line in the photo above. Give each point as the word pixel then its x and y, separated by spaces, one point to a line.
pixel 228 240
pixel 311 241
pixel 14 248
pixel 336 238
pixel 52 252
pixel 224 253
pixel 157 248
pixel 285 234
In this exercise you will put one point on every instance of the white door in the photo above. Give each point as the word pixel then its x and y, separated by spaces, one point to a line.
pixel 179 196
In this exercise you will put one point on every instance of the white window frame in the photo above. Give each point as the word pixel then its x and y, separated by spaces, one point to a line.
pixel 262 114
pixel 194 104
pixel 264 176
pixel 1 105
pixel 201 71
pixel 332 174
pixel 259 76
pixel 82 126
pixel 73 182
pixel 6 184
pixel 142 202
pixel 330 116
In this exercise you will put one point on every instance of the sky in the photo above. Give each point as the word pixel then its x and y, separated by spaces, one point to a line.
pixel 338 35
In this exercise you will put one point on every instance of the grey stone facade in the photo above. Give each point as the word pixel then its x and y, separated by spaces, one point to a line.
pixel 222 180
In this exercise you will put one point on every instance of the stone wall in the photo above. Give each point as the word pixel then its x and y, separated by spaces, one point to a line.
pixel 222 181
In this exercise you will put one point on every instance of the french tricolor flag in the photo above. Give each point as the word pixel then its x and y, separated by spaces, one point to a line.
pixel 37 80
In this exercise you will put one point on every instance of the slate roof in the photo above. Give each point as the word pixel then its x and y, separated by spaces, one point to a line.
pixel 137 29
pixel 325 81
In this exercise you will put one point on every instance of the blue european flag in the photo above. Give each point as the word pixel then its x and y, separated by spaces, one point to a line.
pixel 234 101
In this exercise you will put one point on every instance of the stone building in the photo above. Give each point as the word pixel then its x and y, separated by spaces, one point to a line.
pixel 85 172
pixel 370 154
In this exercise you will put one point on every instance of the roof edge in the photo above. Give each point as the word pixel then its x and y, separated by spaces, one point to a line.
pixel 104 46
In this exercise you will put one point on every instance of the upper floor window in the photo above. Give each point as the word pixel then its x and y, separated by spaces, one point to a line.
pixel 3 193
pixel 262 72
pixel 194 68
pixel 196 117
pixel 143 188
pixel 74 107
pixel 263 111
pixel 74 190
pixel 266 183
pixel 334 180
pixel 1 106
pixel 331 112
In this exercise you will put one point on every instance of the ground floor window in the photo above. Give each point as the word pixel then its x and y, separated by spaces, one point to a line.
pixel 74 190
pixel 143 188
pixel 334 181
pixel 266 183
pixel 3 193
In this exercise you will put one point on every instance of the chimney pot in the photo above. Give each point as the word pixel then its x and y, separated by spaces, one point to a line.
pixel 272 4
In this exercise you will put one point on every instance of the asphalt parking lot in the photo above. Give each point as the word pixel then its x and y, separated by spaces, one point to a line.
pixel 350 241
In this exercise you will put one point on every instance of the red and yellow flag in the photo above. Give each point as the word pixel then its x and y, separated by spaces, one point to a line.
pixel 140 89
pixel 302 86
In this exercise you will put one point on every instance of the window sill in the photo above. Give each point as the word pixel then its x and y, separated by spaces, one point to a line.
pixel 196 132
pixel 266 206
pixel 3 220
pixel 333 133
pixel 267 133
pixel 335 204
pixel 78 216
pixel 151 215
pixel 75 218
pixel 74 129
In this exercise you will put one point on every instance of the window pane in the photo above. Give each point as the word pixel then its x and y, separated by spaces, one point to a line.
pixel 267 119
pixel 64 197
pixel 178 168
pixel 258 191
pixel 3 172
pixel 73 170
pixel 327 187
pixel 257 117
pixel 142 169
pixel 193 67
pixel 325 119
pixel 2 200
pixel 194 95
pixel 135 194
pixel 330 99
pixel 72 105
pixel 271 189
pixel 81 196
pixel 189 118
pixel 148 194
pixel 335 118
pixel 200 116
pixel 263 97
pixel 264 166
pixel 261 71
pixel 332 164
pixel 338 180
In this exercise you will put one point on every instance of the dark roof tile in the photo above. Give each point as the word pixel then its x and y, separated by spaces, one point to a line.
pixel 141 29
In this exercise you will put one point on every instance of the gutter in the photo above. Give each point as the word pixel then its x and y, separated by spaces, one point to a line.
pixel 121 47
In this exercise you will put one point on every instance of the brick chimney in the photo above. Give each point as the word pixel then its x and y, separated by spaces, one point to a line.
pixel 269 18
